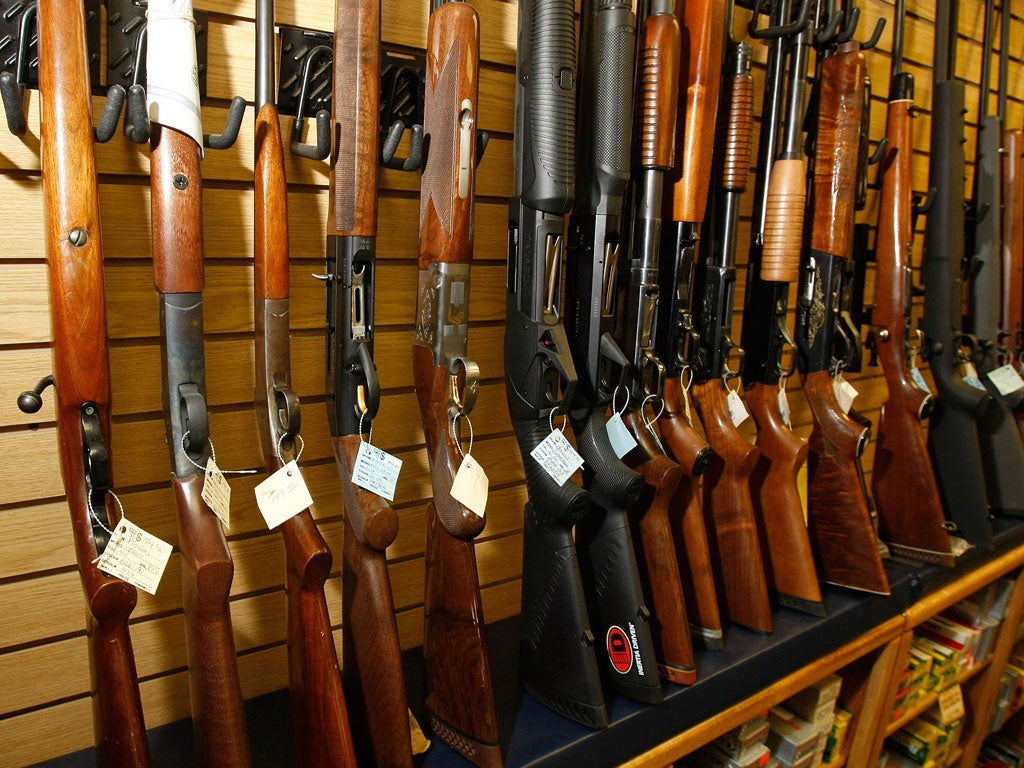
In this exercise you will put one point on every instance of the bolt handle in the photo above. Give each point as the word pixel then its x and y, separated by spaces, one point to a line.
pixel 31 400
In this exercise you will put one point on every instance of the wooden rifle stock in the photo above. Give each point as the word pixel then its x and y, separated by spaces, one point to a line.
pixel 688 449
pixel 460 697
pixel 320 730
pixel 177 223
pixel 910 517
pixel 845 542
pixel 728 504
pixel 1013 236
pixel 373 677
pixel 82 366
pixel 837 508
pixel 654 539
pixel 778 510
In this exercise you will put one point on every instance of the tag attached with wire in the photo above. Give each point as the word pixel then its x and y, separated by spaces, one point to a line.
pixel 470 484
pixel 135 556
pixel 283 495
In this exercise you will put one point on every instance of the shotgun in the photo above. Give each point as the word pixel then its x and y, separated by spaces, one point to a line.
pixel 320 730
pixel 374 683
pixel 910 518
pixel 838 516
pixel 684 210
pixel 81 377
pixel 1013 250
pixel 1002 447
pixel 766 339
pixel 177 220
pixel 953 435
pixel 604 543
pixel 727 497
pixel 657 89
pixel 558 663
pixel 460 696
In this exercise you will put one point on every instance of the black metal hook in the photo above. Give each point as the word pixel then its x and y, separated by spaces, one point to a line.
pixel 13 85
pixel 229 135
pixel 783 30
pixel 415 157
pixel 136 115
pixel 322 148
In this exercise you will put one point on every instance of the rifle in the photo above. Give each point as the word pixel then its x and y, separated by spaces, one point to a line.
pixel 557 663
pixel 177 221
pixel 1012 317
pixel 81 377
pixel 910 518
pixel 460 697
pixel 657 95
pixel 1002 447
pixel 320 730
pixel 603 540
pixel 373 677
pixel 727 496
pixel 766 336
pixel 953 435
pixel 684 210
pixel 838 516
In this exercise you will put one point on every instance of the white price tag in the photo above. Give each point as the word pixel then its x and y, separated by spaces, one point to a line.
pixel 784 408
pixel 557 456
pixel 135 556
pixel 737 410
pixel 951 704
pixel 620 438
pixel 845 392
pixel 376 471
pixel 470 485
pixel 217 493
pixel 1006 379
pixel 918 378
pixel 283 495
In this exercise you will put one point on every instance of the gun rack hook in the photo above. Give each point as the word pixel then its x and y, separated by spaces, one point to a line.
pixel 783 30
pixel 230 134
pixel 322 148
pixel 136 116
pixel 12 86
pixel 416 156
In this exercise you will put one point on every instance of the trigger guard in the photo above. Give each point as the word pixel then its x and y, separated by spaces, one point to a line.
pixel 289 416
pixel 194 421
pixel 462 403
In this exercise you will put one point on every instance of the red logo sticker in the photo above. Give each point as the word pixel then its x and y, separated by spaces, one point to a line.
pixel 619 651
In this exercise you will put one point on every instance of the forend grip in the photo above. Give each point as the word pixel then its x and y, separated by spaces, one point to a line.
pixel 837 148
pixel 784 222
pixel 565 504
pixel 611 59
pixel 658 77
pixel 547 76
pixel 612 482
pixel 356 105
pixel 739 126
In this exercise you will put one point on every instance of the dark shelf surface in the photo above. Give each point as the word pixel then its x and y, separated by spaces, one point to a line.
pixel 537 737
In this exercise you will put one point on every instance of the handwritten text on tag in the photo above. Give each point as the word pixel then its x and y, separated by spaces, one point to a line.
pixel 376 471
pixel 557 456
pixel 135 556
pixel 622 442
pixel 217 493
pixel 282 495
pixel 470 486
pixel 1006 379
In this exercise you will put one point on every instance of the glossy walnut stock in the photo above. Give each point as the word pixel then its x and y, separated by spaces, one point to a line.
pixel 658 92
pixel 1013 233
pixel 786 544
pixel 701 70
pixel 729 508
pixel 910 516
pixel 271 230
pixel 81 364
pixel 683 445
pixel 838 518
pixel 655 545
pixel 218 720
pixel 373 672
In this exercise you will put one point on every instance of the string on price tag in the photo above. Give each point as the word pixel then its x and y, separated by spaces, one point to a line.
pixel 784 410
pixel 620 438
pixel 685 385
pixel 470 484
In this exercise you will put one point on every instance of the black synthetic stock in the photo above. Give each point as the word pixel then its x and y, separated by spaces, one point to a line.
pixel 953 433
pixel 610 482
pixel 557 663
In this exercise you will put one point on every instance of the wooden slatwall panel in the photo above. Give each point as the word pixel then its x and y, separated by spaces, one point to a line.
pixel 44 677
